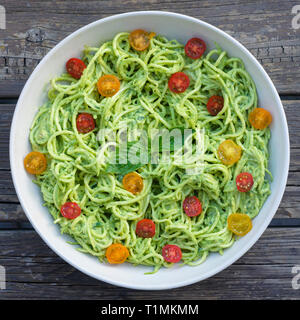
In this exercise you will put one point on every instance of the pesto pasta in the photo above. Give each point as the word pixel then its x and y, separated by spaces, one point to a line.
pixel 79 168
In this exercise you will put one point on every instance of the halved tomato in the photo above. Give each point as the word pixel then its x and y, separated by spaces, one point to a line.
pixel 35 162
pixel 116 253
pixel 229 152
pixel 215 105
pixel 145 228
pixel 244 181
pixel 195 48
pixel 171 253
pixel 108 85
pixel 239 223
pixel 140 39
pixel 75 67
pixel 178 82
pixel 70 210
pixel 192 206
pixel 133 182
pixel 85 123
pixel 260 118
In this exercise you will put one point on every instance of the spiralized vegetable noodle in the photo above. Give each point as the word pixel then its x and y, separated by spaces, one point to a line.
pixel 78 169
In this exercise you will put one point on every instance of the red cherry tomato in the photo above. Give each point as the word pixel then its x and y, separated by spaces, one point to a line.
pixel 145 228
pixel 85 123
pixel 171 253
pixel 244 182
pixel 192 206
pixel 195 48
pixel 70 210
pixel 215 105
pixel 75 67
pixel 178 82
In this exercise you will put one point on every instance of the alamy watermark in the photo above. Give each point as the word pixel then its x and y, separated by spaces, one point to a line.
pixel 2 278
pixel 296 278
pixel 136 147
pixel 296 18
pixel 2 17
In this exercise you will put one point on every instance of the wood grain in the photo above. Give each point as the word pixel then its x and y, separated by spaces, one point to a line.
pixel 34 27
pixel 263 273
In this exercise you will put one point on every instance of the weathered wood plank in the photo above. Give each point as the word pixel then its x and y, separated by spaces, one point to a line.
pixel 34 27
pixel 34 271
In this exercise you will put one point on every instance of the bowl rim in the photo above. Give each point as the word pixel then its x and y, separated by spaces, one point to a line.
pixel 259 230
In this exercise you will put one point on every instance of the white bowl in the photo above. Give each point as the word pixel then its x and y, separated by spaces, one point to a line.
pixel 175 26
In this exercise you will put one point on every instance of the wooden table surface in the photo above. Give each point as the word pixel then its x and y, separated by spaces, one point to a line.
pixel 33 27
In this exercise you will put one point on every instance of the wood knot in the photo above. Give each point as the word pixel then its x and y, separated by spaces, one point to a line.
pixel 35 35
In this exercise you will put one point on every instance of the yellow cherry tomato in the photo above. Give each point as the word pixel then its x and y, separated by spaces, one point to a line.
pixel 108 85
pixel 35 162
pixel 239 223
pixel 133 182
pixel 140 39
pixel 260 118
pixel 116 253
pixel 229 152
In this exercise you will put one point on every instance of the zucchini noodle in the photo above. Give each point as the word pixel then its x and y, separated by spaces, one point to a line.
pixel 77 168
